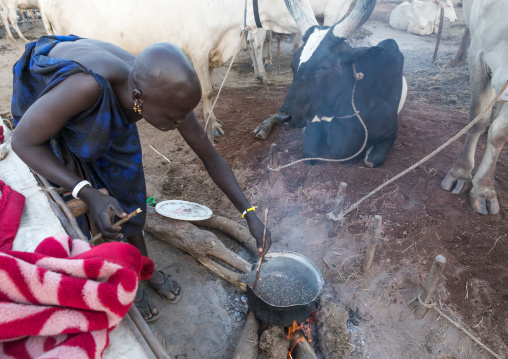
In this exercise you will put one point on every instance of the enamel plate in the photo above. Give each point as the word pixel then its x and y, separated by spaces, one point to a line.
pixel 183 210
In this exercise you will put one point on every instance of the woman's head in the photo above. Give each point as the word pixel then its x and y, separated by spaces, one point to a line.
pixel 166 87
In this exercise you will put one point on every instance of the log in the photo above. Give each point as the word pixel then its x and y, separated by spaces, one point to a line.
pixel 77 206
pixel 435 273
pixel 301 349
pixel 374 236
pixel 274 343
pixel 235 230
pixel 247 346
pixel 332 328
pixel 274 162
pixel 333 225
pixel 202 245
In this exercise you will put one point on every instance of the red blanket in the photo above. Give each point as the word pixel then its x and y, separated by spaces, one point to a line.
pixel 62 300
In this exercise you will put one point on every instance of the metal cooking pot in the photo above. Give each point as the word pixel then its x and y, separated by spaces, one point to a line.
pixel 289 265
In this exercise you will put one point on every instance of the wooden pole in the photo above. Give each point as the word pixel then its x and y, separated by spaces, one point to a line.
pixel 374 236
pixel 120 222
pixel 278 54
pixel 461 56
pixel 333 226
pixel 439 34
pixel 274 162
pixel 263 256
pixel 435 273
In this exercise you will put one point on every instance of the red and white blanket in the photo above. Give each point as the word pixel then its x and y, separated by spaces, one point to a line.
pixel 62 300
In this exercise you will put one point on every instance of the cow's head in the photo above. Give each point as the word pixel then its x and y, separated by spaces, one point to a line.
pixel 323 75
pixel 449 10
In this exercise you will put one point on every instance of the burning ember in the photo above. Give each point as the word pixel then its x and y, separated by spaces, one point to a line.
pixel 298 333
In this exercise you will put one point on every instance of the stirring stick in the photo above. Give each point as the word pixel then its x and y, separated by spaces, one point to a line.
pixel 122 221
pixel 263 256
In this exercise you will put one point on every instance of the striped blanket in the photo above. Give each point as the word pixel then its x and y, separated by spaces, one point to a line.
pixel 62 300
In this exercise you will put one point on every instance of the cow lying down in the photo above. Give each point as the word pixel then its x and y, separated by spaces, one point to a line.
pixel 319 97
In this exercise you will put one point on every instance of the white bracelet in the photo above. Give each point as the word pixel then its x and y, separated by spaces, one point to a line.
pixel 78 188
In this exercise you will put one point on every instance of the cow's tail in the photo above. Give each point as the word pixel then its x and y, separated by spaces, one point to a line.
pixel 403 94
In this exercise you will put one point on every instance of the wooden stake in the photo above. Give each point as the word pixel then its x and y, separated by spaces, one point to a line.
pixel 278 54
pixel 435 273
pixel 333 226
pixel 274 162
pixel 439 34
pixel 120 222
pixel 263 256
pixel 374 236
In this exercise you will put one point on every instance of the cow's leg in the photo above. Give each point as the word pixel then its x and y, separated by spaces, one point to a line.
pixel 5 20
pixel 47 24
pixel 376 154
pixel 296 45
pixel 458 179
pixel 483 196
pixel 257 42
pixel 263 130
pixel 204 72
pixel 14 22
pixel 268 42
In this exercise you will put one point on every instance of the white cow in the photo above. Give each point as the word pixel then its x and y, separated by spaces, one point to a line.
pixel 9 15
pixel 331 11
pixel 208 31
pixel 488 71
pixel 420 17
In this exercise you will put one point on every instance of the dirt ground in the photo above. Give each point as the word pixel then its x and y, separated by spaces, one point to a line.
pixel 420 219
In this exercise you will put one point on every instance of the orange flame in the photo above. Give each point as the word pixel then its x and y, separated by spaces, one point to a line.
pixel 294 345
pixel 293 329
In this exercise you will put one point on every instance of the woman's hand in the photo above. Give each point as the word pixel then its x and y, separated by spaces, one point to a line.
pixel 101 208
pixel 256 228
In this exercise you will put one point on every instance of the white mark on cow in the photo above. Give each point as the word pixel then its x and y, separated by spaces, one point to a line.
pixel 317 119
pixel 311 45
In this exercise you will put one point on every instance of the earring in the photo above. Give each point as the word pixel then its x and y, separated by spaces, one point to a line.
pixel 137 108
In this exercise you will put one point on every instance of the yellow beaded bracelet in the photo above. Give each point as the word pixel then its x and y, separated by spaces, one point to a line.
pixel 248 210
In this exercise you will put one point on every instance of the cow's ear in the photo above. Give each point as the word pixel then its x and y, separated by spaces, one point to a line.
pixel 360 52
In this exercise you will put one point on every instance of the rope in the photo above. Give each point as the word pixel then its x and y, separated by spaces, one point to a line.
pixel 358 76
pixel 224 80
pixel 433 306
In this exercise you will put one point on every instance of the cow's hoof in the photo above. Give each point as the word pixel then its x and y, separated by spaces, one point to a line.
pixel 366 161
pixel 268 66
pixel 484 205
pixel 454 185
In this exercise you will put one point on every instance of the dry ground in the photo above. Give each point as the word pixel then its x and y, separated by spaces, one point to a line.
pixel 420 219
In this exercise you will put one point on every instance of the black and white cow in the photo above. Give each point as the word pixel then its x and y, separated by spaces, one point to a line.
pixel 319 97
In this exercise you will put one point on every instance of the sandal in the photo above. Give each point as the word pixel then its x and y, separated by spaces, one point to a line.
pixel 167 286
pixel 143 304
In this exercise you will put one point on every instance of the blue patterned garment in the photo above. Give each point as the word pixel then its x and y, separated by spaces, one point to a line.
pixel 98 144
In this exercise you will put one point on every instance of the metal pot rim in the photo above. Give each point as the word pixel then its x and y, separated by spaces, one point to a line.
pixel 304 260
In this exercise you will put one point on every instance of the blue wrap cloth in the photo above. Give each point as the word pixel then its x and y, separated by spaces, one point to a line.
pixel 97 144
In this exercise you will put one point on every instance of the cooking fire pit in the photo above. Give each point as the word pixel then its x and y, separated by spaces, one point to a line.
pixel 286 292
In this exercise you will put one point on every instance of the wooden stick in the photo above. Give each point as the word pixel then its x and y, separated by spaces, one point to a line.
pixel 56 197
pixel 333 226
pixel 439 34
pixel 263 256
pixel 120 222
pixel 435 273
pixel 274 162
pixel 278 54
pixel 147 333
pixel 374 236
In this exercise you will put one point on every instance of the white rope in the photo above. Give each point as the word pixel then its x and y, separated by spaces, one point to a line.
pixel 224 80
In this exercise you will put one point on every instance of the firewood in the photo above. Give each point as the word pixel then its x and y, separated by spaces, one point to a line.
pixel 247 346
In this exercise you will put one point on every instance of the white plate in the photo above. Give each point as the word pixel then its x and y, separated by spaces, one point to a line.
pixel 183 210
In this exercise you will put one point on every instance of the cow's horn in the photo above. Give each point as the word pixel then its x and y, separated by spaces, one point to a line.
pixel 355 19
pixel 303 19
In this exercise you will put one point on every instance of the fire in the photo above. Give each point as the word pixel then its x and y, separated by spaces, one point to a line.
pixel 292 329
pixel 306 329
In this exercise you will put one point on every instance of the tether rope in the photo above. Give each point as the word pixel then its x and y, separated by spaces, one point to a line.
pixel 432 154
pixel 433 306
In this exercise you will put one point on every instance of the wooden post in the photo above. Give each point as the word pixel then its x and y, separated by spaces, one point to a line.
pixel 435 273
pixel 374 236
pixel 439 34
pixel 333 226
pixel 461 56
pixel 278 54
pixel 274 162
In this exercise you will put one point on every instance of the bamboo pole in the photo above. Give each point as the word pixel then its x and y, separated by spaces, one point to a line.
pixel 374 236
pixel 333 225
pixel 274 162
pixel 435 273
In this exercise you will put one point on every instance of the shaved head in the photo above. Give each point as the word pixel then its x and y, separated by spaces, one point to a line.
pixel 164 75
